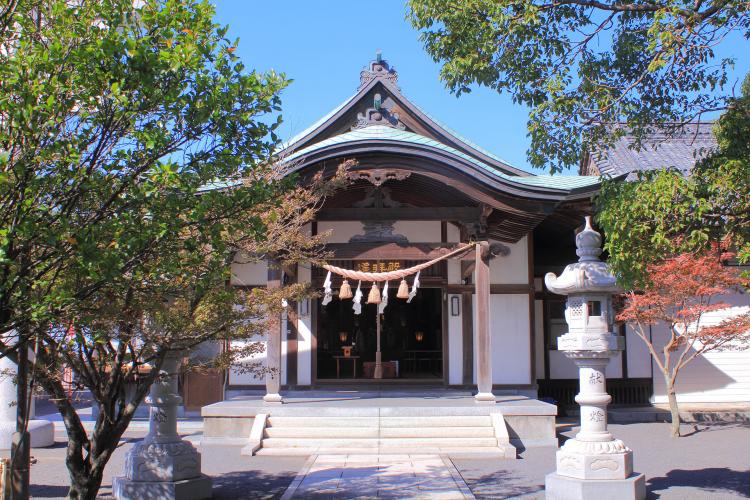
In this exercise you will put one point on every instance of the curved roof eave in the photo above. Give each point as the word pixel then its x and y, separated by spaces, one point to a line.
pixel 506 184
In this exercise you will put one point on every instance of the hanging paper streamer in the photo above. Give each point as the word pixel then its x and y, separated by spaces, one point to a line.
pixel 384 299
pixel 414 287
pixel 328 293
pixel 358 299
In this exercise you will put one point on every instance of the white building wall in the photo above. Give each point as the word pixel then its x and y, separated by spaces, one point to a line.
pixel 340 231
pixel 454 233
pixel 639 359
pixel 455 344
pixel 455 327
pixel 246 273
pixel 715 377
pixel 236 376
pixel 419 230
pixel 415 231
pixel 539 330
pixel 514 268
pixel 510 339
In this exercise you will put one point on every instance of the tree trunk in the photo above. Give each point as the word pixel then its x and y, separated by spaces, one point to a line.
pixel 674 410
pixel 86 486
pixel 20 448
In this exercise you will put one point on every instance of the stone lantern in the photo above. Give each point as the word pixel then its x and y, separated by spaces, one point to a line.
pixel 594 464
pixel 163 465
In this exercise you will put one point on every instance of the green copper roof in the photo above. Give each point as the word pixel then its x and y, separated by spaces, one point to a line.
pixel 462 138
pixel 317 124
pixel 379 132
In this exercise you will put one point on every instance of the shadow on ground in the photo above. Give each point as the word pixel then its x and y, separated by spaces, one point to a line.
pixel 250 484
pixel 715 480
pixel 47 491
pixel 502 484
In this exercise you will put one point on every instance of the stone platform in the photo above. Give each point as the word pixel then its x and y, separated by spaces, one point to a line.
pixel 529 422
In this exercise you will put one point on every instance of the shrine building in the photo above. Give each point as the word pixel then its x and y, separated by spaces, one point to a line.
pixel 418 191
pixel 475 325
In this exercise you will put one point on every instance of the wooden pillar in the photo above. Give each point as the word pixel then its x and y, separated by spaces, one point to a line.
pixel 484 345
pixel 273 344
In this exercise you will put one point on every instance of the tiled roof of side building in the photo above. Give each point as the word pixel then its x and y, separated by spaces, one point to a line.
pixel 657 151
pixel 378 132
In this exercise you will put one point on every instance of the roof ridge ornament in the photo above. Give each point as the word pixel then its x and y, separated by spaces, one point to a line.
pixel 380 69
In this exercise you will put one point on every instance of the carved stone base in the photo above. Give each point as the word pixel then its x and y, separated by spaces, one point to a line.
pixel 559 487
pixel 595 460
pixel 173 461
pixel 188 489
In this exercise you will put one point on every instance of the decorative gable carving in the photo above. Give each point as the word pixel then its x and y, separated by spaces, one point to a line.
pixel 379 68
pixel 379 114
pixel 379 175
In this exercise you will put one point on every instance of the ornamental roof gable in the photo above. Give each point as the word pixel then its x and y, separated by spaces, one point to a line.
pixel 380 102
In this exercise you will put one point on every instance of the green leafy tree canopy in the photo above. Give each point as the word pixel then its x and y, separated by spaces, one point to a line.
pixel 583 65
pixel 665 212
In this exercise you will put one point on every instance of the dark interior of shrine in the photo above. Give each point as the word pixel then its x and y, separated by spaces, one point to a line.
pixel 411 338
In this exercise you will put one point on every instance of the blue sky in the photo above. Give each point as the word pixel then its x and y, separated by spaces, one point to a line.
pixel 322 45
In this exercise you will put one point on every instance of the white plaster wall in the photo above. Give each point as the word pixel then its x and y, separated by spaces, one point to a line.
pixel 454 272
pixel 341 231
pixel 237 378
pixel 304 337
pixel 539 330
pixel 639 359
pixel 510 339
pixel 418 230
pixel 455 344
pixel 248 274
pixel 514 268
pixel 715 377
pixel 454 234
pixel 415 231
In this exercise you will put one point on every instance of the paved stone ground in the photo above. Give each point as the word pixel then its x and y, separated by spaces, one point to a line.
pixel 379 476
pixel 711 462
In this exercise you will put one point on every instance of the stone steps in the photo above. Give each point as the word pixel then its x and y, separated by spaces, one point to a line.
pixel 388 431
pixel 375 432
pixel 313 442
pixel 454 452
pixel 383 421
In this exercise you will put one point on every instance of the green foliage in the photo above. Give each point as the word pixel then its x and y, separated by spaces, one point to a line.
pixel 112 119
pixel 581 65
pixel 665 213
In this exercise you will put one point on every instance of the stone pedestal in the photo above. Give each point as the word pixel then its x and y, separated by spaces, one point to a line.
pixel 163 465
pixel 41 432
pixel 593 465
pixel 559 487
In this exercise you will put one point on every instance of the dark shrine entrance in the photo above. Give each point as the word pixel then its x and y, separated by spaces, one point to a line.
pixel 411 339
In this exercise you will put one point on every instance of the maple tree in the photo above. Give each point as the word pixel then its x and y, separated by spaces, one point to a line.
pixel 686 293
